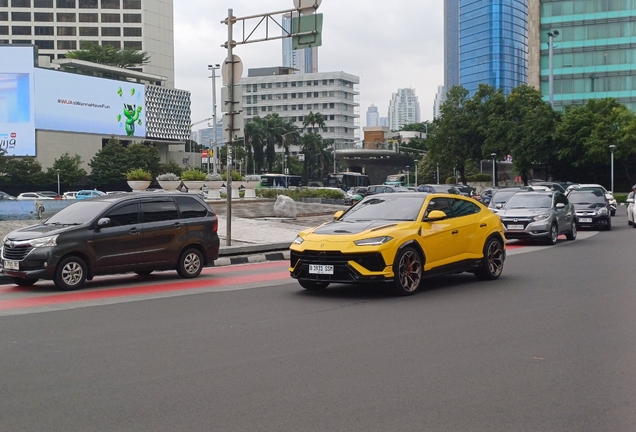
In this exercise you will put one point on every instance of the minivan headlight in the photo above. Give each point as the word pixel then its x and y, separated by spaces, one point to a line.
pixel 44 242
pixel 541 217
pixel 375 241
pixel 602 210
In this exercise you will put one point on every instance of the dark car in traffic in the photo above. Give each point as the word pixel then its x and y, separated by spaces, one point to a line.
pixel 439 188
pixel 592 209
pixel 140 232
pixel 376 189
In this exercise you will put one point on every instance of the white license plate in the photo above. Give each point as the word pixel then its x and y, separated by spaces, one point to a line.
pixel 585 220
pixel 515 227
pixel 11 265
pixel 320 269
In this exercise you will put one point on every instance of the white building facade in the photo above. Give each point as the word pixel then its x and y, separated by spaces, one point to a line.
pixel 404 108
pixel 293 96
pixel 57 26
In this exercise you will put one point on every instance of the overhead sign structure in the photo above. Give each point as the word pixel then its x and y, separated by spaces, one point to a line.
pixel 17 107
pixel 310 27
pixel 307 7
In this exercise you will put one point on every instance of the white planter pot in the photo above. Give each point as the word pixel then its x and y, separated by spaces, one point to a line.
pixel 214 186
pixel 250 189
pixel 169 185
pixel 193 185
pixel 138 185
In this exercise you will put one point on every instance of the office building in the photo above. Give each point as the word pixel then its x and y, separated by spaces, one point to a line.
pixel 440 98
pixel 593 54
pixel 451 43
pixel 404 108
pixel 293 96
pixel 57 26
pixel 493 43
pixel 373 116
pixel 303 60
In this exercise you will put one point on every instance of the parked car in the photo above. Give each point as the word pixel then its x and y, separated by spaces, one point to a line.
pixel 550 185
pixel 33 196
pixel 486 195
pixel 69 195
pixel 361 190
pixel 438 188
pixel 400 238
pixel 464 190
pixel 376 189
pixel 140 232
pixel 51 194
pixel 592 209
pixel 538 215
pixel 593 186
pixel 6 197
pixel 88 193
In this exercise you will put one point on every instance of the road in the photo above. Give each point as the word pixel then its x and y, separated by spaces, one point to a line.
pixel 548 347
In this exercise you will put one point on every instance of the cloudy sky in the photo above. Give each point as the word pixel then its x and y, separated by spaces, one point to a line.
pixel 388 44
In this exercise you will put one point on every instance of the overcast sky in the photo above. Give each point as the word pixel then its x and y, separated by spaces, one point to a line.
pixel 388 44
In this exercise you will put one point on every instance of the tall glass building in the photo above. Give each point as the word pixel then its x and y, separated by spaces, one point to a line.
pixel 493 43
pixel 594 55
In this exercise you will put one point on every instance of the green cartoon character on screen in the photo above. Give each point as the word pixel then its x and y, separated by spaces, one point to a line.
pixel 132 115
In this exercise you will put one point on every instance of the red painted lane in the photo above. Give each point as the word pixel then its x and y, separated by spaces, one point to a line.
pixel 141 290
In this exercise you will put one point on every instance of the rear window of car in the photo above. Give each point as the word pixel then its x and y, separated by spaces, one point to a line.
pixel 586 197
pixel 191 208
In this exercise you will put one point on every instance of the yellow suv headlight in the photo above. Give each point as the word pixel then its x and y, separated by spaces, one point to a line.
pixel 375 241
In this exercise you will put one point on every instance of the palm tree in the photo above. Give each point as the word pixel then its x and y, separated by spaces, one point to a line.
pixel 314 119
pixel 256 135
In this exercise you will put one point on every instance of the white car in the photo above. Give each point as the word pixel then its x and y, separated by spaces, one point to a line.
pixel 608 194
pixel 69 195
pixel 33 196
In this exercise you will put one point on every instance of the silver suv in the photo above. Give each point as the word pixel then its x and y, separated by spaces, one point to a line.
pixel 538 215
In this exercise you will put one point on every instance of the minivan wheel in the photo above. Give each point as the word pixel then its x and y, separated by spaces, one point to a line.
pixel 70 273
pixel 407 269
pixel 313 285
pixel 493 262
pixel 190 263
pixel 23 282
pixel 554 234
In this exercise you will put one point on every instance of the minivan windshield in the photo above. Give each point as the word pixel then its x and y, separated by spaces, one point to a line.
pixel 78 213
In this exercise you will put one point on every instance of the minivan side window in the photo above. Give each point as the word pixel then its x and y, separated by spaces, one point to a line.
pixel 190 207
pixel 125 215
pixel 158 211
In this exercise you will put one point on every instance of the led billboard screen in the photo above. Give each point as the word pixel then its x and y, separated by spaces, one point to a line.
pixel 79 103
pixel 17 127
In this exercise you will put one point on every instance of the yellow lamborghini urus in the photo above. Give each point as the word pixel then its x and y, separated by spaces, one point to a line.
pixel 400 239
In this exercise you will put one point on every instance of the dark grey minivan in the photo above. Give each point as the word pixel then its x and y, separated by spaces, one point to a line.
pixel 133 232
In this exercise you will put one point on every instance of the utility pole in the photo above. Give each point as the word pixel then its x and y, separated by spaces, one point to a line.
pixel 213 68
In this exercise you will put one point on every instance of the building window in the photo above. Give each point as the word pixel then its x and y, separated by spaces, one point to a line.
pixel 331 105
pixel 20 16
pixel 132 18
pixel 20 3
pixel 324 106
pixel 110 4
pixel 43 31
pixel 4 30
pixel 293 95
pixel 65 17
pixel 308 93
pixel 133 45
pixel 4 3
pixel 315 94
pixel 132 4
pixel 132 31
pixel 300 106
pixel 21 30
pixel 4 16
pixel 66 31
pixel 84 44
pixel 263 85
pixel 110 18
pixel 254 88
pixel 114 44
pixel 285 107
pixel 44 44
pixel 22 42
pixel 65 4
pixel 43 3
pixel 111 31
pixel 66 45
pixel 88 17
pixel 88 31
pixel 293 84
pixel 284 84
pixel 88 4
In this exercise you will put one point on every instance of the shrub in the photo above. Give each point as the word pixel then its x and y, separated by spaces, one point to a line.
pixel 620 198
pixel 236 176
pixel 297 194
pixel 193 175
pixel 168 177
pixel 138 174
pixel 481 177
pixel 214 177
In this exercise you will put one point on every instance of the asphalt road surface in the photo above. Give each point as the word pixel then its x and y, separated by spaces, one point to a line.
pixel 550 346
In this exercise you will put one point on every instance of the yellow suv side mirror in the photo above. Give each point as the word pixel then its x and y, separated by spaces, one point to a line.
pixel 436 215
pixel 338 214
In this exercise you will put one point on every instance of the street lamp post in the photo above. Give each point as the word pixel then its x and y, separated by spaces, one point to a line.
pixel 407 175
pixel 612 147
pixel 58 182
pixel 493 156
pixel 415 173
pixel 551 35
pixel 213 68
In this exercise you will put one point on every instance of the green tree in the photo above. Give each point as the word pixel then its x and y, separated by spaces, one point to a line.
pixel 139 155
pixel 109 165
pixel 23 171
pixel 109 55
pixel 314 119
pixel 70 170
pixel 255 139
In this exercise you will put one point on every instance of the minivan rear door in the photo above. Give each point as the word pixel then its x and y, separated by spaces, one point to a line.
pixel 121 244
pixel 164 230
